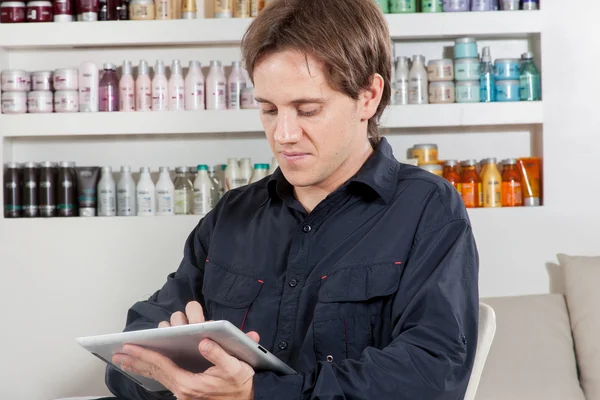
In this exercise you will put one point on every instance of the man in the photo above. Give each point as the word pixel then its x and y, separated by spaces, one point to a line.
pixel 357 271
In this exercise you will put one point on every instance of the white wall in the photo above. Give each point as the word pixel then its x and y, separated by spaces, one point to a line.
pixel 62 279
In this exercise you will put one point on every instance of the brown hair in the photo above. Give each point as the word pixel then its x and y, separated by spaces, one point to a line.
pixel 350 36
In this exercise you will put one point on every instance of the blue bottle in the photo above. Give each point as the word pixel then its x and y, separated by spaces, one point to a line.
pixel 487 80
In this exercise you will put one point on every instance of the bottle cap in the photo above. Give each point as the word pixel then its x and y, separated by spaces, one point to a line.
pixel 12 165
pixel 402 60
pixel 469 163
pixel 236 64
pixel 531 201
pixel 30 164
pixel 143 69
pixel 451 163
pixel 486 55
pixel 176 67
pixel 144 169
pixel 195 64
pixel 202 167
pixel 107 169
pixel 164 169
pixel 510 161
pixel 109 66
pixel 417 58
pixel 47 164
pixel 182 170
pixel 215 63
pixel 527 56
pixel 491 160
pixel 125 168
pixel 127 68
pixel 159 69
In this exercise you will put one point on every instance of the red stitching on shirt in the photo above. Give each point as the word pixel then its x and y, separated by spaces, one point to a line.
pixel 324 276
pixel 260 281
pixel 244 320
pixel 398 262
pixel 207 260
pixel 346 330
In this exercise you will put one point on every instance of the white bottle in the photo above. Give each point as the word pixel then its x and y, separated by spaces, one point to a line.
pixel 176 87
pixel 160 88
pixel 216 87
pixel 401 82
pixel 107 196
pixel 145 194
pixel 418 91
pixel 233 175
pixel 236 82
pixel 143 88
pixel 246 170
pixel 126 197
pixel 274 166
pixel 127 88
pixel 203 201
pixel 89 80
pixel 260 171
pixel 194 87
pixel 165 193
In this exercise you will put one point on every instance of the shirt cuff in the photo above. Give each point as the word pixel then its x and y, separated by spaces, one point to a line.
pixel 269 386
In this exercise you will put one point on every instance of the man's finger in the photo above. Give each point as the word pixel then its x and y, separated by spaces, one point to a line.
pixel 254 336
pixel 178 319
pixel 194 312
pixel 219 357
pixel 164 324
pixel 152 365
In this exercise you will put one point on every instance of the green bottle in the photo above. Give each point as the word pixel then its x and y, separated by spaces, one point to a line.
pixel 403 6
pixel 384 5
pixel 530 81
pixel 432 6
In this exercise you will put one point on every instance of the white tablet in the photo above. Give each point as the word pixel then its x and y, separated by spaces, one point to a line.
pixel 180 344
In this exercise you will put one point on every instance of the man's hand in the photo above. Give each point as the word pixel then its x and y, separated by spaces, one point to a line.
pixel 229 378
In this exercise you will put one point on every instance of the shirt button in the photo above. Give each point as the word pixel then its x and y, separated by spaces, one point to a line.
pixel 293 283
pixel 283 345
pixel 306 228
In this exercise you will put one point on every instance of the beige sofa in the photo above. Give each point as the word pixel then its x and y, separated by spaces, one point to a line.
pixel 547 347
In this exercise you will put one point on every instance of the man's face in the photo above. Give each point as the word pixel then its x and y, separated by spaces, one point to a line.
pixel 313 129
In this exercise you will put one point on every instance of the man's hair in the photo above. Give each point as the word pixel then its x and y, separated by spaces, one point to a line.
pixel 350 36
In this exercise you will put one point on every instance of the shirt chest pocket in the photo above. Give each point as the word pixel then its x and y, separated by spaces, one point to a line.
pixel 354 310
pixel 228 295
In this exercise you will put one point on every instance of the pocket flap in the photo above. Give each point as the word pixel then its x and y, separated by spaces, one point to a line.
pixel 228 288
pixel 360 283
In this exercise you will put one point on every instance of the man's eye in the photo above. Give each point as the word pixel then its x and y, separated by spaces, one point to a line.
pixel 308 113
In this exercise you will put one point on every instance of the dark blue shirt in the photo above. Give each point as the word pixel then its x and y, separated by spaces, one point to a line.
pixel 372 295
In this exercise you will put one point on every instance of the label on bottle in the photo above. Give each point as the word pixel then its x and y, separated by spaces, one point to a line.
pixel 183 202
pixel 125 204
pixel 492 196
pixel 416 94
pixel 223 9
pixel 470 194
pixel 530 87
pixel 487 91
pixel 165 201
pixel 512 194
pixel 144 99
pixel 242 9
pixel 177 99
pixel 202 202
pixel 106 203
pixel 198 96
pixel 159 98
pixel 163 10
pixel 403 6
pixel 431 6
pixel 256 6
pixel 127 98
pixel 235 182
pixel 235 93
pixel 145 202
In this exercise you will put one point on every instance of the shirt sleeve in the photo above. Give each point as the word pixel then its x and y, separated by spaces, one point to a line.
pixel 182 286
pixel 434 338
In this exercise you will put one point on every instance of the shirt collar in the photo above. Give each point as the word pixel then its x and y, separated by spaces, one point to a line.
pixel 378 173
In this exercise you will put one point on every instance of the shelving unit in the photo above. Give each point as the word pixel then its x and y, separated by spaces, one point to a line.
pixel 491 127
pixel 244 121
pixel 230 31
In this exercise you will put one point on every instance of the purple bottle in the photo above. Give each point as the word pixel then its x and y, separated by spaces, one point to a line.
pixel 456 5
pixel 108 91
pixel 481 5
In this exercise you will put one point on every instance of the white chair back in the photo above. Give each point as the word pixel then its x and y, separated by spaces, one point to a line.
pixel 487 330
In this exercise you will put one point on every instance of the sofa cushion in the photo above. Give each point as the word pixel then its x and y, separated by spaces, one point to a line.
pixel 582 280
pixel 532 356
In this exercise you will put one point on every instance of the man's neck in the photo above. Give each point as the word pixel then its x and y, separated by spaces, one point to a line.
pixel 311 196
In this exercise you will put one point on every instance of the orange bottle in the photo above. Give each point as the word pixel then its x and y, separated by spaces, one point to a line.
pixel 452 174
pixel 512 192
pixel 470 184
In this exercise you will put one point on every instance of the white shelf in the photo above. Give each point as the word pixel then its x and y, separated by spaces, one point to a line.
pixel 246 121
pixel 209 31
